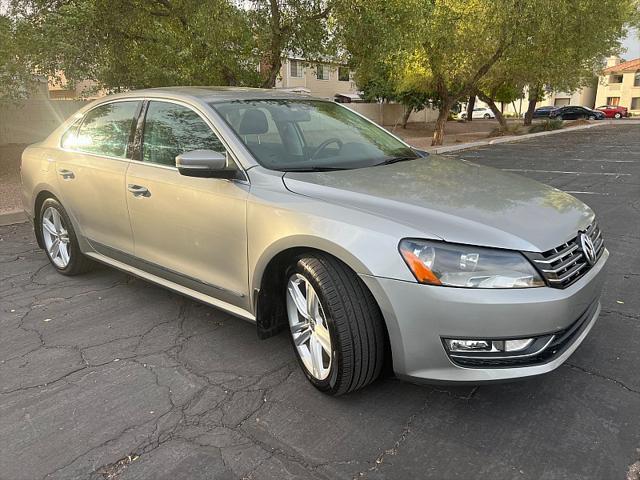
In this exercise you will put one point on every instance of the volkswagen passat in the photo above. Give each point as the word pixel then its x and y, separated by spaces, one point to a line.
pixel 299 214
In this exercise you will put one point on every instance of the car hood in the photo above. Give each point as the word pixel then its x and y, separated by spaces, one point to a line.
pixel 454 200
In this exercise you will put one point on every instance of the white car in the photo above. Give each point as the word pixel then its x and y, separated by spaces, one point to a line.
pixel 481 112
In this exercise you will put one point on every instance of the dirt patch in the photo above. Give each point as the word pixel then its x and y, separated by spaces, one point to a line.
pixel 576 123
pixel 10 177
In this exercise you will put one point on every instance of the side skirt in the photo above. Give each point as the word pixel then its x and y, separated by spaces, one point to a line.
pixel 194 294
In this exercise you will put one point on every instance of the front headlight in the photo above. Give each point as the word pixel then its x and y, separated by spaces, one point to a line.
pixel 454 265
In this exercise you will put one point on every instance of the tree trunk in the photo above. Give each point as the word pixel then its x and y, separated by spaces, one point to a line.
pixel 274 70
pixel 533 99
pixel 470 104
pixel 405 117
pixel 496 111
pixel 441 122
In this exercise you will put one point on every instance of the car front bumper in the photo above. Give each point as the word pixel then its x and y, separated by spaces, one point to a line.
pixel 419 317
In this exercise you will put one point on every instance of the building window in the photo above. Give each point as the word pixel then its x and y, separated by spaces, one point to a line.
pixel 322 72
pixel 636 79
pixel 343 74
pixel 614 101
pixel 295 68
pixel 615 78
pixel 635 103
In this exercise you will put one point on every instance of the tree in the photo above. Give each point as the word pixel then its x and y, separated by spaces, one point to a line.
pixel 568 56
pixel 140 43
pixel 294 27
pixel 16 79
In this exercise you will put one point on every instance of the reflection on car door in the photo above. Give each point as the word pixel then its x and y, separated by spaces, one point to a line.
pixel 191 231
pixel 91 174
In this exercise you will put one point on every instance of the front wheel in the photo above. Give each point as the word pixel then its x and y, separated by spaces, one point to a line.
pixel 618 116
pixel 336 326
pixel 59 239
pixel 487 116
pixel 592 117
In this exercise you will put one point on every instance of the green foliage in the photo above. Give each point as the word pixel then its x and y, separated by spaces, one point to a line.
pixel 546 125
pixel 16 78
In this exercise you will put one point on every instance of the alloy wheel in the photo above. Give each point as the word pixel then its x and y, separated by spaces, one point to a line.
pixel 309 327
pixel 56 237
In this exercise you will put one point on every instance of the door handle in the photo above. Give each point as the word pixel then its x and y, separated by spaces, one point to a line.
pixel 66 174
pixel 139 190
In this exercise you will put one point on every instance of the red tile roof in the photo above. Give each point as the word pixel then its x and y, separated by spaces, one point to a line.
pixel 630 66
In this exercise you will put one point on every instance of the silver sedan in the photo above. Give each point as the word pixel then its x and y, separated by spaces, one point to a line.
pixel 298 214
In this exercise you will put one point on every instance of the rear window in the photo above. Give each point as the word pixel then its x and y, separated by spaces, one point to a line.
pixel 106 129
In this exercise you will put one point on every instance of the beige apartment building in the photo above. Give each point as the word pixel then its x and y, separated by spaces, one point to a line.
pixel 324 79
pixel 619 84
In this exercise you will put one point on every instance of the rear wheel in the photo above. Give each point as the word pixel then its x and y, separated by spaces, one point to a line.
pixel 336 326
pixel 60 241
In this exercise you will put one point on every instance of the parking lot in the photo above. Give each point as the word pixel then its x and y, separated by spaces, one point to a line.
pixel 107 376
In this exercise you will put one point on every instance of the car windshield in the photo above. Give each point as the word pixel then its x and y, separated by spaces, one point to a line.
pixel 310 135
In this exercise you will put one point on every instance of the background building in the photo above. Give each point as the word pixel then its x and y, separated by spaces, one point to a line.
pixel 322 79
pixel 619 84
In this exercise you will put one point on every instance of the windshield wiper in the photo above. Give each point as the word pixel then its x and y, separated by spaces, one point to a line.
pixel 396 160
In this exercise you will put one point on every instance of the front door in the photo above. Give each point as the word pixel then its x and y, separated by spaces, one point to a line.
pixel 91 174
pixel 189 230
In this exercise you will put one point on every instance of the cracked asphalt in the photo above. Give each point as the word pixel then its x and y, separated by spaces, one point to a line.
pixel 107 376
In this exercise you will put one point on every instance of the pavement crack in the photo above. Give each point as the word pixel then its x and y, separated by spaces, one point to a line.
pixel 604 377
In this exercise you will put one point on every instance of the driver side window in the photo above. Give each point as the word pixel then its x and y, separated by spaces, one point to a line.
pixel 172 129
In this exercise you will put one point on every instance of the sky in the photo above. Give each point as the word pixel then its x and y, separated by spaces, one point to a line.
pixel 632 44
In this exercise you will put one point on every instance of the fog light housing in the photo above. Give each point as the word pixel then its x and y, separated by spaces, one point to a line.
pixel 487 345
pixel 462 345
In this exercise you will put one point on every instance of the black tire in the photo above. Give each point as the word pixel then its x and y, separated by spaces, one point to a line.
pixel 354 320
pixel 592 117
pixel 487 116
pixel 78 262
pixel 617 116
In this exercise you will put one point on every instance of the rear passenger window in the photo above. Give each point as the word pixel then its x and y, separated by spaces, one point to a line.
pixel 171 129
pixel 106 129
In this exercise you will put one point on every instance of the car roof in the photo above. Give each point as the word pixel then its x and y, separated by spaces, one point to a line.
pixel 214 94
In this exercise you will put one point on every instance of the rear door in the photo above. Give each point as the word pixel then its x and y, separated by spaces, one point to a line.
pixel 91 174
pixel 191 231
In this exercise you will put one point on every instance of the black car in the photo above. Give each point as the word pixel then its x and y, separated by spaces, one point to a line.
pixel 575 112
pixel 543 112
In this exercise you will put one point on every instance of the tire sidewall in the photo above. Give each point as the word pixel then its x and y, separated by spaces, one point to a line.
pixel 617 116
pixel 330 382
pixel 74 249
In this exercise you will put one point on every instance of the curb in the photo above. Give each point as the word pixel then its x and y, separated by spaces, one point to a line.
pixel 12 217
pixel 526 136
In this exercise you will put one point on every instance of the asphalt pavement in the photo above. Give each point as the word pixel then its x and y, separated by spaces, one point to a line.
pixel 107 376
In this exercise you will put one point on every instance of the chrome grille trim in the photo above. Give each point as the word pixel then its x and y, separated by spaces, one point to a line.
pixel 565 264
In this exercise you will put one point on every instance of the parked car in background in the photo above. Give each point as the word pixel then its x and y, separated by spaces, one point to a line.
pixel 480 112
pixel 299 214
pixel 576 112
pixel 543 112
pixel 614 111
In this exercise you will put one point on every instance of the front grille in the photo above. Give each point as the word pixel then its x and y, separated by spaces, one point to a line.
pixel 564 265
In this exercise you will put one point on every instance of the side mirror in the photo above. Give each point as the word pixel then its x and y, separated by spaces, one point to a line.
pixel 204 163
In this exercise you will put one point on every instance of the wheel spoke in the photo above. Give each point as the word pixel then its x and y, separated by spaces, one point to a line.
pixel 322 334
pixel 64 253
pixel 316 356
pixel 55 248
pixel 56 220
pixel 298 299
pixel 302 337
pixel 49 227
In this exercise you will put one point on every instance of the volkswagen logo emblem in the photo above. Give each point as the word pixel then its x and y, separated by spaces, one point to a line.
pixel 588 249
